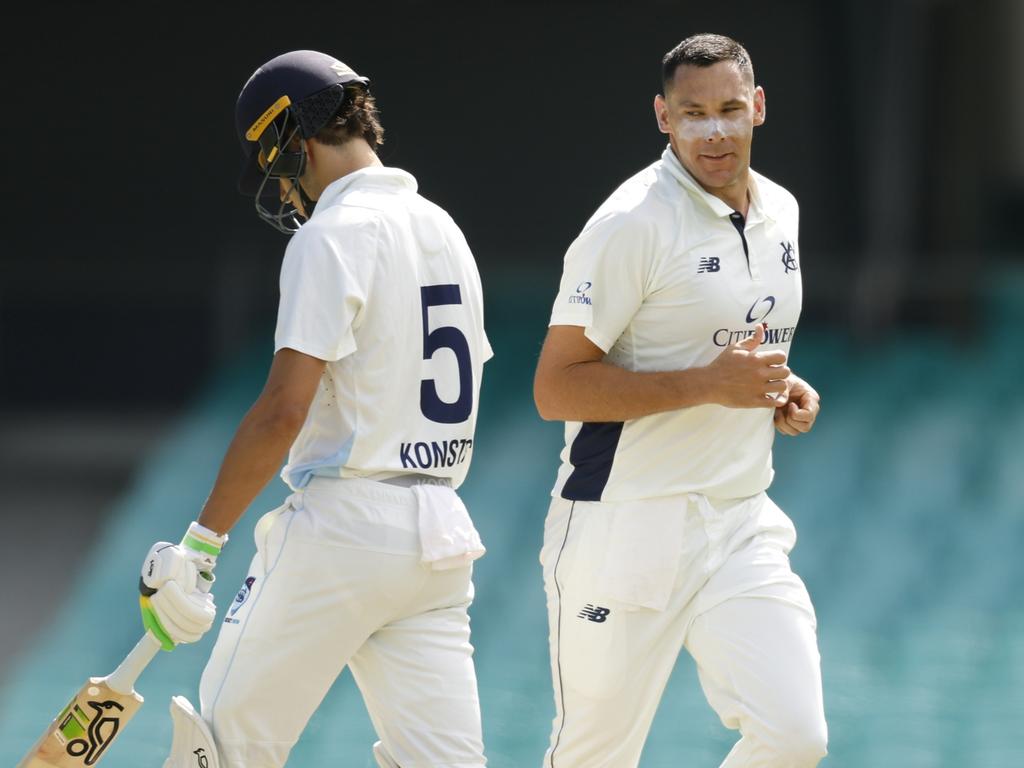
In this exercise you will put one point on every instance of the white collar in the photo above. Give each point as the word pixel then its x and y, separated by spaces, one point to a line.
pixel 378 176
pixel 719 207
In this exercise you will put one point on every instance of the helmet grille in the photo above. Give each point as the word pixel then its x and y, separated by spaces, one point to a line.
pixel 314 111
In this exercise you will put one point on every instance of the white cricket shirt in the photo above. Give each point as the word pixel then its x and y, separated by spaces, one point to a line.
pixel 663 277
pixel 381 284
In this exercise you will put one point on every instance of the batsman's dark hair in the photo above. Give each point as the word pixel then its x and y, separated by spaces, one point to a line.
pixel 702 51
pixel 357 117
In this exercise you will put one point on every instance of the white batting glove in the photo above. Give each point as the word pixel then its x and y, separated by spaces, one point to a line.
pixel 174 587
pixel 203 546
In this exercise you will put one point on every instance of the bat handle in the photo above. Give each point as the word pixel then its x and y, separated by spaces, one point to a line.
pixel 123 678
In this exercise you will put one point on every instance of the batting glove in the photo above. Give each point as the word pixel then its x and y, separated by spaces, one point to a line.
pixel 175 587
pixel 203 546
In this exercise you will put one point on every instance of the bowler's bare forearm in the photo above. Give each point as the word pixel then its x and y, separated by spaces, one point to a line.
pixel 573 382
pixel 599 391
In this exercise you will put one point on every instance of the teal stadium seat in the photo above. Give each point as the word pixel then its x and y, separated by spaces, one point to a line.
pixel 908 498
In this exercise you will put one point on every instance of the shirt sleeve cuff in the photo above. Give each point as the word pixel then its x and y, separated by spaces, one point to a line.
pixel 600 339
pixel 346 347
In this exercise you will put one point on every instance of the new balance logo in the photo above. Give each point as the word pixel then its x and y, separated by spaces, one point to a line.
pixel 594 613
pixel 708 264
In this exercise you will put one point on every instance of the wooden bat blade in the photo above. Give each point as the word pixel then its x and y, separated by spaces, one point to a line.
pixel 85 728
pixel 83 731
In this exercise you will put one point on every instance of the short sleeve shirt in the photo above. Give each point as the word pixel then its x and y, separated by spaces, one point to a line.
pixel 381 284
pixel 663 277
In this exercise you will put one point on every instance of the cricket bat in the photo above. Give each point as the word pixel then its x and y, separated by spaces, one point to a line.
pixel 84 730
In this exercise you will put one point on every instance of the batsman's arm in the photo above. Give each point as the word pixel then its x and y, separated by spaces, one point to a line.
pixel 175 579
pixel 263 438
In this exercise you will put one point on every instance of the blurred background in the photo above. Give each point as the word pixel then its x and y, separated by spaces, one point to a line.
pixel 138 295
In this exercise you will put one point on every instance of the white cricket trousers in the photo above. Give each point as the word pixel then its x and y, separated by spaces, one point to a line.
pixel 336 581
pixel 630 584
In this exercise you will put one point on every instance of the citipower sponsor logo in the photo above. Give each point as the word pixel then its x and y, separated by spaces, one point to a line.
pixel 757 314
pixel 580 297
pixel 760 309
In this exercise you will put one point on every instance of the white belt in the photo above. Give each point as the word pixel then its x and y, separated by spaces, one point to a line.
pixel 411 479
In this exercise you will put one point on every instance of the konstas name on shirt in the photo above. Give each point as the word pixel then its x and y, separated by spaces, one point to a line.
pixel 428 455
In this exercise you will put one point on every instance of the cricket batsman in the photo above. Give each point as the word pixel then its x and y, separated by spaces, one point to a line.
pixel 372 394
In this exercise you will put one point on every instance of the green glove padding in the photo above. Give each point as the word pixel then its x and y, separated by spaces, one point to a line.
pixel 152 623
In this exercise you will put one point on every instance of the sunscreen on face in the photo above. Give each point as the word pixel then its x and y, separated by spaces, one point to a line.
pixel 711 127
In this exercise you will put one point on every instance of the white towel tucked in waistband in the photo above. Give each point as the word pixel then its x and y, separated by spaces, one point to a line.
pixel 645 544
pixel 447 536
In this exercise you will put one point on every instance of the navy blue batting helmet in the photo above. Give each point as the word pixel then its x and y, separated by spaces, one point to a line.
pixel 291 96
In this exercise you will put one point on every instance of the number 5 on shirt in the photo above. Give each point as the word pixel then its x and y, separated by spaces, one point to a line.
pixel 450 337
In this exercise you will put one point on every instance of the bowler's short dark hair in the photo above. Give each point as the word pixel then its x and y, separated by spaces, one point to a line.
pixel 703 51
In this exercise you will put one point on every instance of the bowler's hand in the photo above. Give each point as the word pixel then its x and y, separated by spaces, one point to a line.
pixel 743 376
pixel 796 415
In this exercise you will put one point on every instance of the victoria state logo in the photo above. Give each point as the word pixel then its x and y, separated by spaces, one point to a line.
pixel 341 70
pixel 580 297
pixel 240 598
pixel 788 257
